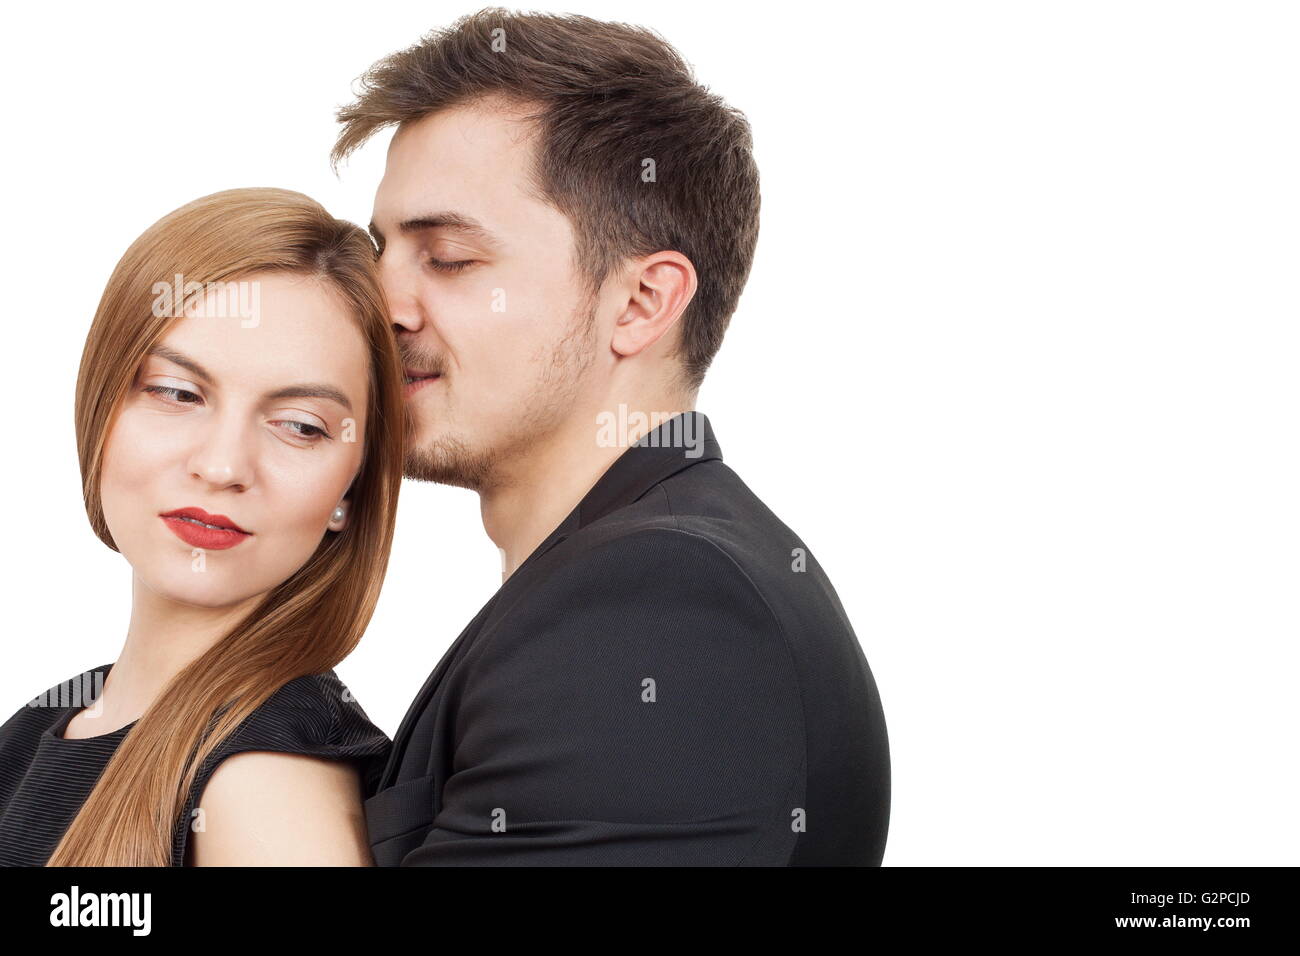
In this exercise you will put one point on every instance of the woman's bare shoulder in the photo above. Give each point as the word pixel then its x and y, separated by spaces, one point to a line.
pixel 262 808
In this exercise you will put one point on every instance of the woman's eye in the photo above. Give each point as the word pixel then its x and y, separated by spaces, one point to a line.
pixel 442 265
pixel 173 393
pixel 309 431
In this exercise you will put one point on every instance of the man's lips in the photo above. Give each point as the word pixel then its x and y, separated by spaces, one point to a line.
pixel 416 380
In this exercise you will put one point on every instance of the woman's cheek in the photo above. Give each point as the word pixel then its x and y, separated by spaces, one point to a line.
pixel 133 460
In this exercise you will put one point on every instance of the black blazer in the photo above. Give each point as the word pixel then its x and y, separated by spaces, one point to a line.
pixel 668 679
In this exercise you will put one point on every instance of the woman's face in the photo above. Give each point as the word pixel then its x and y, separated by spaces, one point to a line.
pixel 257 420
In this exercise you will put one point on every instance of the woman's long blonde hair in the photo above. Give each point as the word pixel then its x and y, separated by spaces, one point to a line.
pixel 308 623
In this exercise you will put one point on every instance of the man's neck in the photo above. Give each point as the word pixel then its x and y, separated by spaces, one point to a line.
pixel 521 512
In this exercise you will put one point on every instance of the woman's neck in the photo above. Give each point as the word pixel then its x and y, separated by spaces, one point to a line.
pixel 163 637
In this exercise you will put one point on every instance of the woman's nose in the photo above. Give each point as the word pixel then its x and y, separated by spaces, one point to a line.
pixel 224 456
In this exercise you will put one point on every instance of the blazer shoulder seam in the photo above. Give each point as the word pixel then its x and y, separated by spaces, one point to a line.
pixel 791 669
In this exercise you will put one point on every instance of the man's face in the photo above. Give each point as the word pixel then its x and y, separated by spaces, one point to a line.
pixel 485 296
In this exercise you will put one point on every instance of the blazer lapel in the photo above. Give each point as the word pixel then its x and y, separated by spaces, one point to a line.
pixel 658 455
pixel 426 693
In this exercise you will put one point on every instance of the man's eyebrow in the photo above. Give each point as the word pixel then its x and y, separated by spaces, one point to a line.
pixel 305 390
pixel 457 222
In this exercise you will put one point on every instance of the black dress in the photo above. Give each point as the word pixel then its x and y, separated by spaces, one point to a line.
pixel 45 778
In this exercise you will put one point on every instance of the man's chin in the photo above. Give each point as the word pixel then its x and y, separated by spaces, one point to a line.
pixel 446 461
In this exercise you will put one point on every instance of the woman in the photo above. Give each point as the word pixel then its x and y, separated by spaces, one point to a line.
pixel 239 426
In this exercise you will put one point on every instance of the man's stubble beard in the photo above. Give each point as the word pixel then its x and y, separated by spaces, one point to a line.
pixel 475 462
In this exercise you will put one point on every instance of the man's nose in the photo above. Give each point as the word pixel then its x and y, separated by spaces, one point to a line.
pixel 403 304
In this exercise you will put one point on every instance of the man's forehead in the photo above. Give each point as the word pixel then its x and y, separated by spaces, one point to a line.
pixel 464 137
pixel 451 168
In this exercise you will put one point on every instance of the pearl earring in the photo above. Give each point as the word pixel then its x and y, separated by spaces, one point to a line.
pixel 338 514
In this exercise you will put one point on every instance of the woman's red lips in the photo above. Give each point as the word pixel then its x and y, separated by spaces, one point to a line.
pixel 202 530
pixel 198 514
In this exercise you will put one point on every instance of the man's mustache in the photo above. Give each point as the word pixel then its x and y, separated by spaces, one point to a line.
pixel 424 364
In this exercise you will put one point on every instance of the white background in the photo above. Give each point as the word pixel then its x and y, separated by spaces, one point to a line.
pixel 1017 360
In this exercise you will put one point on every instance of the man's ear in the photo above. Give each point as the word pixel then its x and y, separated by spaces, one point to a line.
pixel 662 285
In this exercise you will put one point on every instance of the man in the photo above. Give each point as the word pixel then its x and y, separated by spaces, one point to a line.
pixel 665 677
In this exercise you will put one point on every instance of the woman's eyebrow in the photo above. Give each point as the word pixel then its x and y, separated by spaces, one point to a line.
pixel 312 390
pixel 306 390
pixel 184 361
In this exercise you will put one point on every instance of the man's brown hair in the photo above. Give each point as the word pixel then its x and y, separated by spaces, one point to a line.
pixel 605 97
